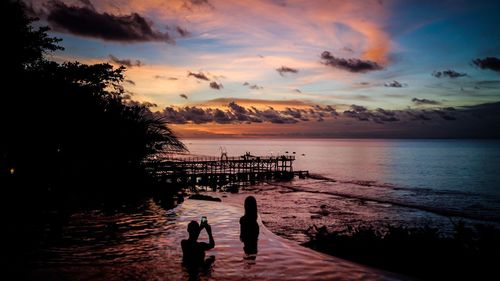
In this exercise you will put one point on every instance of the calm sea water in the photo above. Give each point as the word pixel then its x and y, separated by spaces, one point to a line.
pixel 459 165
pixel 450 177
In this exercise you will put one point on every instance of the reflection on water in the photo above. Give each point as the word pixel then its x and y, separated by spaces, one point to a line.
pixel 144 244
pixel 458 165
pixel 447 177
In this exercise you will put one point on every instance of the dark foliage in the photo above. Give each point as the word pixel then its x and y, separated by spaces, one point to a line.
pixel 470 253
pixel 70 128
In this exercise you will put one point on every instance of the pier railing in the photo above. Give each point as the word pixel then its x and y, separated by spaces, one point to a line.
pixel 224 172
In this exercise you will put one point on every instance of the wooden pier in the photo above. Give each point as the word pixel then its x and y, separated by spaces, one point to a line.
pixel 225 173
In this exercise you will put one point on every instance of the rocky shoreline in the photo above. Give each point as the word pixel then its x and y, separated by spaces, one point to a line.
pixel 290 214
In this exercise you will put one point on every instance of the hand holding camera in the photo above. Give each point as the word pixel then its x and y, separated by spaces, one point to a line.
pixel 204 224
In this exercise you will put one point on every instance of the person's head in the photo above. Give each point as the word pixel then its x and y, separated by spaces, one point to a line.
pixel 193 230
pixel 251 207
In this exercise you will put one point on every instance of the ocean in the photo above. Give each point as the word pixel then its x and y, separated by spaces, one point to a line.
pixel 410 182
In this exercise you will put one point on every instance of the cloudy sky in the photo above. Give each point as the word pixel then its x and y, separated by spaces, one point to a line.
pixel 380 68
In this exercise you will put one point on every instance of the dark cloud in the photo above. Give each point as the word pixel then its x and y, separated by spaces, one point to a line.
pixel 125 62
pixel 323 111
pixel 491 63
pixel 297 90
pixel 237 108
pixel 383 118
pixel 200 76
pixel 216 86
pixel 196 4
pixel 184 96
pixel 445 115
pixel 274 116
pixel 256 87
pixel 352 65
pixel 357 115
pixel 285 69
pixel 221 117
pixel 364 83
pixel 199 2
pixel 418 101
pixel 86 21
pixel 478 120
pixel 253 87
pixel 196 115
pixel 330 108
pixel 358 108
pixel 448 73
pixel 422 117
pixel 243 114
pixel 295 113
pixel 171 115
pixel 379 115
pixel 358 112
pixel 182 31
pixel 385 112
pixel 347 49
pixel 165 77
pixel 394 84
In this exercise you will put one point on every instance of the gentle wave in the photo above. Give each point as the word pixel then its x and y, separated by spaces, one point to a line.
pixel 443 211
pixel 368 183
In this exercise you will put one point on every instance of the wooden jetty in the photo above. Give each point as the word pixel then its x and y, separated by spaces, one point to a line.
pixel 225 173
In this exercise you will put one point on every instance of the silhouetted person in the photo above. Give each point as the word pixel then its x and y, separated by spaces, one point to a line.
pixel 193 251
pixel 249 228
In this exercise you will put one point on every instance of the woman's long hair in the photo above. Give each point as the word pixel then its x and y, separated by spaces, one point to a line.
pixel 251 208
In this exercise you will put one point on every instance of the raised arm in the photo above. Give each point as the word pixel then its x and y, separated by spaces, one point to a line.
pixel 211 242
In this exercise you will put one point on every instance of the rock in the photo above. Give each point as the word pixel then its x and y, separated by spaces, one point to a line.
pixel 204 197
pixel 315 216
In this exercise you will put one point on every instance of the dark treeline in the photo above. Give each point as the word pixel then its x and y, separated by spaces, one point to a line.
pixel 469 253
pixel 69 131
pixel 70 140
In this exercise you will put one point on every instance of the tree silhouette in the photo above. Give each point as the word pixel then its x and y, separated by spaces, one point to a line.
pixel 70 127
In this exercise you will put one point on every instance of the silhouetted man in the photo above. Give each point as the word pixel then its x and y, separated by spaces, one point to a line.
pixel 194 251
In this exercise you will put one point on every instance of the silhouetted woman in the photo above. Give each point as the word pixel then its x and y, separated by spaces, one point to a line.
pixel 249 228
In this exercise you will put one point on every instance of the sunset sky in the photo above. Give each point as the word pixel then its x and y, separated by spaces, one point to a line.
pixel 296 68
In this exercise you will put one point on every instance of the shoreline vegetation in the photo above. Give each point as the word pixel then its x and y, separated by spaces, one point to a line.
pixel 71 132
pixel 72 137
pixel 469 253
